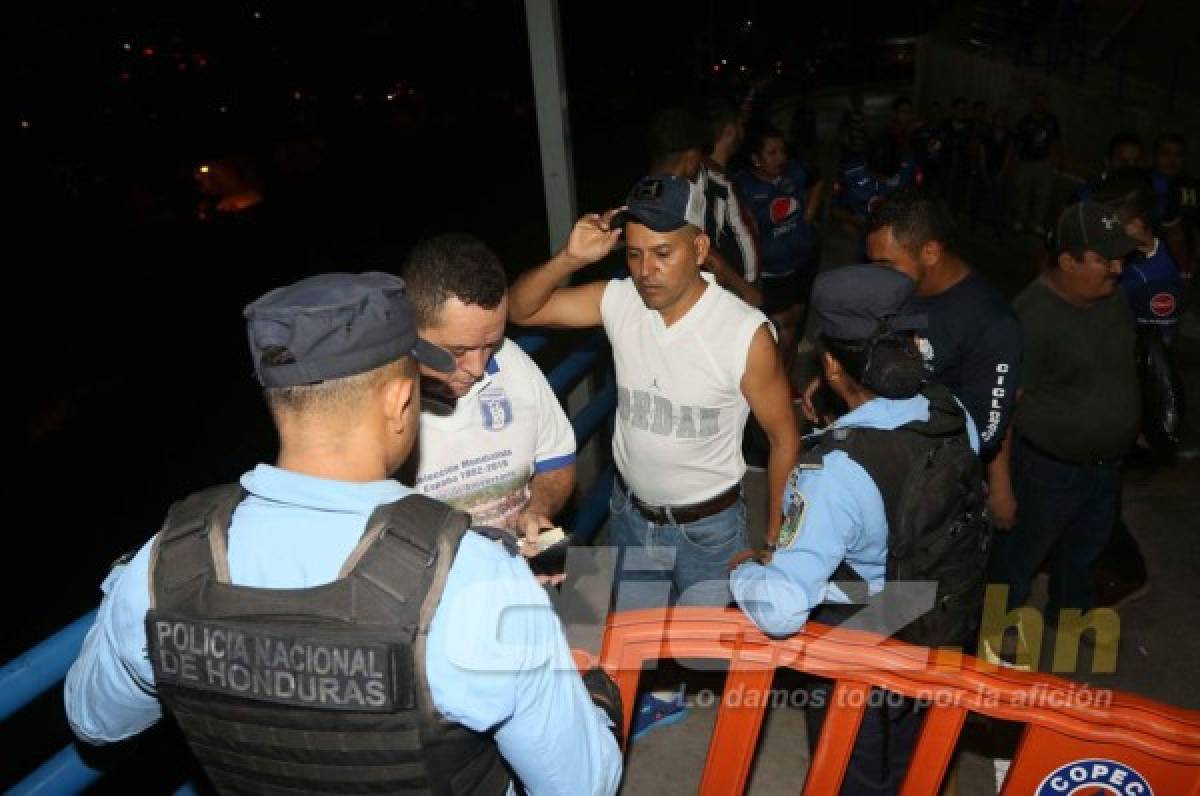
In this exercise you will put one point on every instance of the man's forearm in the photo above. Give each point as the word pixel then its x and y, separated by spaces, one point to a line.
pixel 746 291
pixel 998 472
pixel 728 276
pixel 548 491
pixel 535 287
pixel 783 455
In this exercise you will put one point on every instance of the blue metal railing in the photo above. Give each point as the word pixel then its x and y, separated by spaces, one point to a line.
pixel 42 667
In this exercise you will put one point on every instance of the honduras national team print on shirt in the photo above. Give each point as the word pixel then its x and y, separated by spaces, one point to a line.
pixel 488 481
pixel 496 409
pixel 479 457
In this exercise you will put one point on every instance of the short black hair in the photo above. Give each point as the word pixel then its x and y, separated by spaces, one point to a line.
pixel 887 364
pixel 673 131
pixel 900 101
pixel 958 102
pixel 852 355
pixel 454 265
pixel 1123 138
pixel 759 137
pixel 916 216
pixel 1179 139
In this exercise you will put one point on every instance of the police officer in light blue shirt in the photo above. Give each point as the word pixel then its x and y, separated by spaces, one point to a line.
pixel 835 538
pixel 482 669
pixel 835 512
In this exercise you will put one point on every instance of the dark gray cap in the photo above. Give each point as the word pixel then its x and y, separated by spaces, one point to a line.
pixel 331 326
pixel 851 302
pixel 1095 226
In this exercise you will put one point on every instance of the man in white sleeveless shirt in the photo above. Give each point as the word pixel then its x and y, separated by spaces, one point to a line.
pixel 692 361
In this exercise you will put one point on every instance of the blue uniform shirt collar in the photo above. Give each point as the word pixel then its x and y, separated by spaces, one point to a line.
pixel 323 494
pixel 885 414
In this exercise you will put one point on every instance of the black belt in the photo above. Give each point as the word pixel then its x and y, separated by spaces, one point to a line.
pixel 680 515
pixel 1045 454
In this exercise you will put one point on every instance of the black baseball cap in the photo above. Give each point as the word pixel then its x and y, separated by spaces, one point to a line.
pixel 855 302
pixel 335 325
pixel 1093 226
pixel 663 203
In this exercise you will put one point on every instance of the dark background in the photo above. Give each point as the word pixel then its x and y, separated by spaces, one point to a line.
pixel 366 130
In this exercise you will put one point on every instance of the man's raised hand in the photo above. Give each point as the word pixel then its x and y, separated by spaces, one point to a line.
pixel 592 239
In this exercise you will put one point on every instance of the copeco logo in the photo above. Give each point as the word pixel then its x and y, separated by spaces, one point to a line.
pixel 1093 777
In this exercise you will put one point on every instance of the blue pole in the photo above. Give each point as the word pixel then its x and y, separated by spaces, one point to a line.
pixel 531 343
pixel 573 366
pixel 590 417
pixel 28 676
pixel 593 509
pixel 64 773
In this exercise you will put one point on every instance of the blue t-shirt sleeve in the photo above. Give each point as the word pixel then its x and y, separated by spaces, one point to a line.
pixel 779 596
pixel 109 692
pixel 498 662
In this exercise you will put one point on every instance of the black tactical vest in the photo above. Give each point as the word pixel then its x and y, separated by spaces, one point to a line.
pixel 317 690
pixel 932 485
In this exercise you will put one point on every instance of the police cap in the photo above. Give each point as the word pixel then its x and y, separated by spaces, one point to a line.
pixel 335 325
pixel 855 302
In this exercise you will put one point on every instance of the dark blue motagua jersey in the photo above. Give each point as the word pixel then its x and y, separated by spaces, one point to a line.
pixel 859 190
pixel 786 240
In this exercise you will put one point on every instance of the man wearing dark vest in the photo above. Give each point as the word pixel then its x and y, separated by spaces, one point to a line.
pixel 317 622
pixel 856 507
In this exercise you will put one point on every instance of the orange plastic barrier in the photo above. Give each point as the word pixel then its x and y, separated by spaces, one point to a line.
pixel 1071 744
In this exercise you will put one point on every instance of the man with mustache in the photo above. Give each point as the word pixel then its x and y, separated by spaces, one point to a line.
pixel 692 362
pixel 1078 412
pixel 494 440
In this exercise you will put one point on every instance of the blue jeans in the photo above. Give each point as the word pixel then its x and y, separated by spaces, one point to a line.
pixel 1068 505
pixel 672 564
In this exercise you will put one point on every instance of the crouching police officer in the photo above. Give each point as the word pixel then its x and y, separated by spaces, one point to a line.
pixel 891 492
pixel 319 628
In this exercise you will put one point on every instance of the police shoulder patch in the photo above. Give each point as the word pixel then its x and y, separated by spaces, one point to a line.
pixel 793 521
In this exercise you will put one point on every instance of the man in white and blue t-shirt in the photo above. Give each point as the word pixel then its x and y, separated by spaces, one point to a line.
pixel 494 440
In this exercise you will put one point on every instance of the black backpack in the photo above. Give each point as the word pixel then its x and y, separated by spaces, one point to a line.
pixel 938 528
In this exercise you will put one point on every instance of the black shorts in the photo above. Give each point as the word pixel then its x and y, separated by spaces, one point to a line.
pixel 781 293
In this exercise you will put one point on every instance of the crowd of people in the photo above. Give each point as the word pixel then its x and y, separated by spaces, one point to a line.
pixel 345 613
